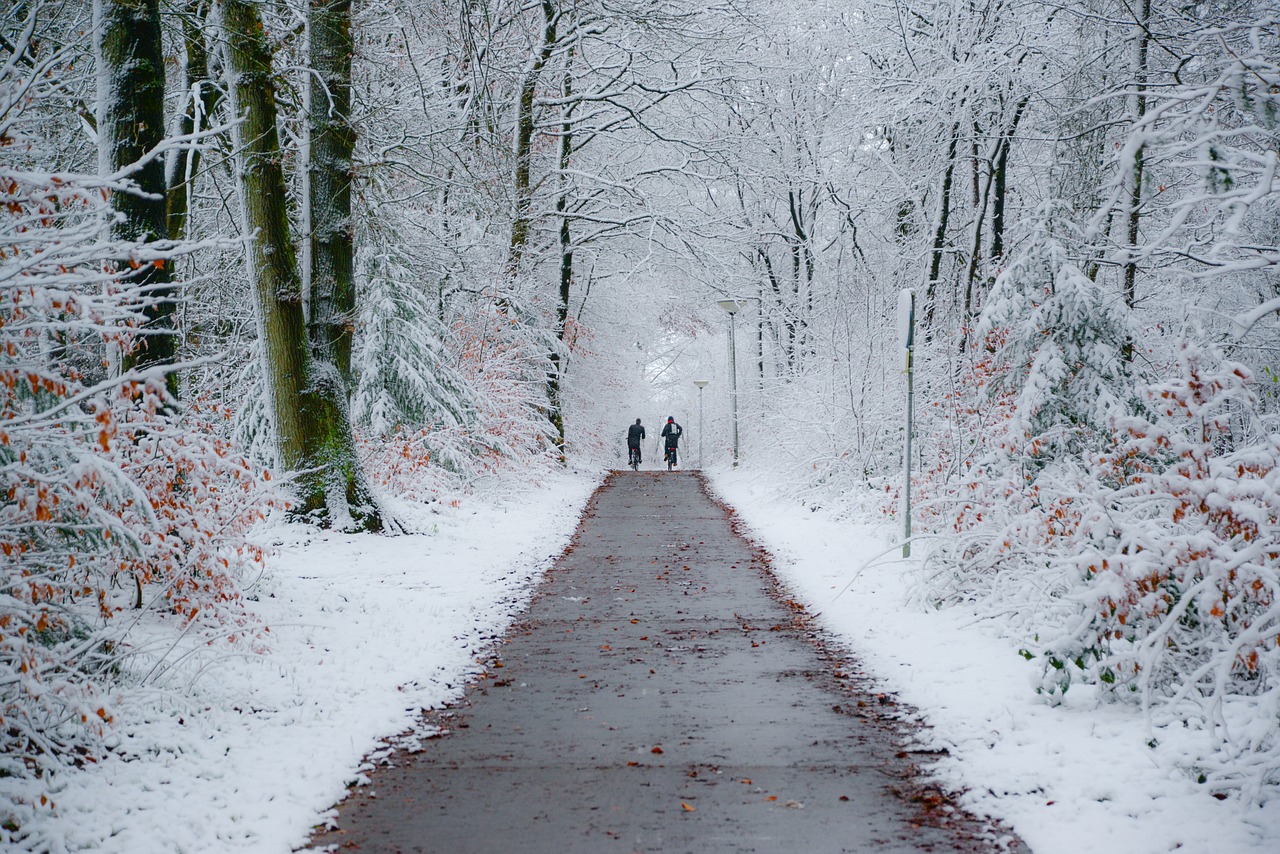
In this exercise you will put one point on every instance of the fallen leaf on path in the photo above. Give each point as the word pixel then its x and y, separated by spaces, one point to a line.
pixel 656 750
pixel 772 798
pixel 687 807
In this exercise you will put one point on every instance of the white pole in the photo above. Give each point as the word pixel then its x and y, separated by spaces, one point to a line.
pixel 906 486
pixel 701 384
pixel 699 426
pixel 906 336
pixel 733 306
pixel 733 367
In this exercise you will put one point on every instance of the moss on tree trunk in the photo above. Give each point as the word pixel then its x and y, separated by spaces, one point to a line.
pixel 308 398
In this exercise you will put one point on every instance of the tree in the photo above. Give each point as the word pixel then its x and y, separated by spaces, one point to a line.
pixel 599 85
pixel 117 497
pixel 202 98
pixel 307 393
pixel 1059 376
pixel 1175 570
pixel 331 173
pixel 131 128
pixel 1063 353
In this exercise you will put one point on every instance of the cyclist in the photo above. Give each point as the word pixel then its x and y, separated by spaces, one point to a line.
pixel 671 433
pixel 635 435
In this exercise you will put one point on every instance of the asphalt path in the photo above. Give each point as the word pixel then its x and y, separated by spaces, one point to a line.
pixel 660 694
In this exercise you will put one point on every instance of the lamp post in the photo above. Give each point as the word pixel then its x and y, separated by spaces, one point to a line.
pixel 733 306
pixel 701 384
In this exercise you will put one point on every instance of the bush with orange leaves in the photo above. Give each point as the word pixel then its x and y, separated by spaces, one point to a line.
pixel 1177 571
pixel 1034 404
pixel 440 405
pixel 1125 530
pixel 115 500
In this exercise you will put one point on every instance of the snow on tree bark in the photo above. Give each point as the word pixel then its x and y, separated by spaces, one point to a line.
pixel 202 97
pixel 131 128
pixel 308 395
pixel 331 173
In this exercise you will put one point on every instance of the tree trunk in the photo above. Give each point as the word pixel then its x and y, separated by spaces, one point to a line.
pixel 131 124
pixel 975 250
pixel 202 101
pixel 1139 109
pixel 760 340
pixel 333 142
pixel 788 320
pixel 1001 179
pixel 555 381
pixel 308 400
pixel 525 122
pixel 802 269
pixel 940 233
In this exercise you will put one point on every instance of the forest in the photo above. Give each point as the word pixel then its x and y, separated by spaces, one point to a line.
pixel 334 261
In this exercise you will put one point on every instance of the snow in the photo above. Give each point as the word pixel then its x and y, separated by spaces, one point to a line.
pixel 1061 777
pixel 250 752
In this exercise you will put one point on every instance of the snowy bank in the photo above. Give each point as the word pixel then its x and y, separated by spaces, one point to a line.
pixel 1064 778
pixel 249 752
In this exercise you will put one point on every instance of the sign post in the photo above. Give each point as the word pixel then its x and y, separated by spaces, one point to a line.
pixel 701 384
pixel 906 339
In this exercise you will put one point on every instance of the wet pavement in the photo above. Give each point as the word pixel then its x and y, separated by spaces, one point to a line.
pixel 659 695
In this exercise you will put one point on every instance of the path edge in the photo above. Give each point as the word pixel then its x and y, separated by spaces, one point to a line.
pixel 917 785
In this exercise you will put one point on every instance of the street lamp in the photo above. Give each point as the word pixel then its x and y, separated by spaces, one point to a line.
pixel 733 306
pixel 701 384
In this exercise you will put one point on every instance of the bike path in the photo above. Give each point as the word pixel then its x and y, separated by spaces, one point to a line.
pixel 655 697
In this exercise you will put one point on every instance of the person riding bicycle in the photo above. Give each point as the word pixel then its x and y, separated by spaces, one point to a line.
pixel 635 435
pixel 672 433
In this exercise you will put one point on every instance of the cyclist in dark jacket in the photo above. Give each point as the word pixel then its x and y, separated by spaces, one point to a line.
pixel 635 435
pixel 672 433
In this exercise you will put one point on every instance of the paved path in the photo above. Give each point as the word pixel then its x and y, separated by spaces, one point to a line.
pixel 655 697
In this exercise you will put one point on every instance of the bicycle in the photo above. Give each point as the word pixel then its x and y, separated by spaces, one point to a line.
pixel 670 457
pixel 634 461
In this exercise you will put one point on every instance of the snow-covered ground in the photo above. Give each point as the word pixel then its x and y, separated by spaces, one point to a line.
pixel 367 631
pixel 1067 779
pixel 249 752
